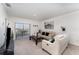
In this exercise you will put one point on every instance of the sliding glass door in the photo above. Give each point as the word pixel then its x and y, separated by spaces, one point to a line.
pixel 22 30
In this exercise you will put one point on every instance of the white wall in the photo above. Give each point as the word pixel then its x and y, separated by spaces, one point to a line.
pixel 2 25
pixel 13 20
pixel 70 22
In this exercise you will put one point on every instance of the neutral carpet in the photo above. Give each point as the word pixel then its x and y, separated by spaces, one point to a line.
pixel 28 47
pixel 71 50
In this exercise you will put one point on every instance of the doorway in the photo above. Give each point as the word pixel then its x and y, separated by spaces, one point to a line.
pixel 22 31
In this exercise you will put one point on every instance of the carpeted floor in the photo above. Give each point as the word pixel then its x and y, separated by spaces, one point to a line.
pixel 71 50
pixel 28 47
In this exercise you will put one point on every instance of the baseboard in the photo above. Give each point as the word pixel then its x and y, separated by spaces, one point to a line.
pixel 73 44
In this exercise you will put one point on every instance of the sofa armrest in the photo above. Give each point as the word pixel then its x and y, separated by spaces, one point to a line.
pixel 54 44
pixel 47 41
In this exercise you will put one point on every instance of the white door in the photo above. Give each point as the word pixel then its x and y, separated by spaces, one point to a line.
pixel 2 25
pixel 2 31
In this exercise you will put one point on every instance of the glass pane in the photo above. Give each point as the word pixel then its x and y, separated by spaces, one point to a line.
pixel 19 26
pixel 22 30
pixel 19 30
pixel 26 29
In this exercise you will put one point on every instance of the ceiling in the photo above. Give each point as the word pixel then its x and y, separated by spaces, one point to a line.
pixel 40 11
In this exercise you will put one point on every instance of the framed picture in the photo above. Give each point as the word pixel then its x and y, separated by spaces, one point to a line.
pixel 49 25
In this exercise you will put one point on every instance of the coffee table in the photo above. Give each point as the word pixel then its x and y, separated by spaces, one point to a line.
pixel 35 38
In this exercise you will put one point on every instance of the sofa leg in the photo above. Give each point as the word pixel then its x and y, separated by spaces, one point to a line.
pixel 46 51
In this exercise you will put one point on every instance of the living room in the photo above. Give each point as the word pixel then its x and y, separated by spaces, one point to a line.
pixel 52 28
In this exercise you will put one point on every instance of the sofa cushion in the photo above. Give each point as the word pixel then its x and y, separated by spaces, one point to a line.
pixel 43 33
pixel 52 34
pixel 47 34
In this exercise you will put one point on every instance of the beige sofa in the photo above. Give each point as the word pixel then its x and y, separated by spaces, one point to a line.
pixel 57 47
pixel 51 34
